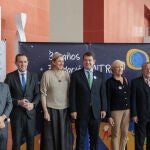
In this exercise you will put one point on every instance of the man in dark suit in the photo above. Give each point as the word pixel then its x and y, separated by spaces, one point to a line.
pixel 25 95
pixel 140 107
pixel 87 101
pixel 5 109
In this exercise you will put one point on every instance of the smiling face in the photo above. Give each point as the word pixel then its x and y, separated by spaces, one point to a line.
pixel 118 69
pixel 22 63
pixel 88 62
pixel 59 63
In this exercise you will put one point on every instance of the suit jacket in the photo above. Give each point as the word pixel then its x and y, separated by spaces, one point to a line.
pixel 140 99
pixel 81 96
pixel 5 100
pixel 31 92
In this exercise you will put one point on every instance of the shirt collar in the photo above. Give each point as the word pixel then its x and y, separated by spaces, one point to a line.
pixel 22 72
pixel 89 70
pixel 146 80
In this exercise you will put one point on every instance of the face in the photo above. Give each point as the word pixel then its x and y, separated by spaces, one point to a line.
pixel 146 71
pixel 59 63
pixel 88 62
pixel 118 69
pixel 22 63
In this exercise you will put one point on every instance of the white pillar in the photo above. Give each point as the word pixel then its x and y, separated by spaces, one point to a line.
pixel 20 20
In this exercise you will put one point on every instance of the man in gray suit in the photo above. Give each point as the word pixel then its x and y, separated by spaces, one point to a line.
pixel 5 109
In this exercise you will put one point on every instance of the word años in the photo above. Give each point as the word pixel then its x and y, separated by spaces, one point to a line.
pixel 67 56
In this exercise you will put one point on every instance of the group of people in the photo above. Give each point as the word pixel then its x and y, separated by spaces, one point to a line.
pixel 85 97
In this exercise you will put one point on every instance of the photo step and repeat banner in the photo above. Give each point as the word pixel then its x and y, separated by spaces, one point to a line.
pixel 40 55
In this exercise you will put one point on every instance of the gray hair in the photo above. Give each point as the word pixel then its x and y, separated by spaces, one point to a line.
pixel 117 62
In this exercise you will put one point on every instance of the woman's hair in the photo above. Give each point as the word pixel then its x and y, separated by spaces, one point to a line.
pixel 54 58
pixel 116 63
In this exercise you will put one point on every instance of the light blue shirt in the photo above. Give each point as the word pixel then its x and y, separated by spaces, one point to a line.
pixel 86 73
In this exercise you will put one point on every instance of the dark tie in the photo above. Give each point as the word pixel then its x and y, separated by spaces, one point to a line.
pixel 90 80
pixel 23 81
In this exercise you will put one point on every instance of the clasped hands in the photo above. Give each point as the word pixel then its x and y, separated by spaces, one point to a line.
pixel 26 104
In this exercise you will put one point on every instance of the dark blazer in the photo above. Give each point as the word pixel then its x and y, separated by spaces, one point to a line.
pixel 81 96
pixel 5 100
pixel 31 92
pixel 140 99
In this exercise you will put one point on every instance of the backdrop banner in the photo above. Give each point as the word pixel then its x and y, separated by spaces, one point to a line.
pixel 134 55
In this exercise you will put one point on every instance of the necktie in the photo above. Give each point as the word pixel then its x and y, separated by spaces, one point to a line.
pixel 148 82
pixel 23 81
pixel 90 80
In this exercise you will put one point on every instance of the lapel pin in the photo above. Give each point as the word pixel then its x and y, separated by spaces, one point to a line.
pixel 94 77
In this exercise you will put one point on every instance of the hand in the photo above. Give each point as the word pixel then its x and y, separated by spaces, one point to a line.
pixel 74 115
pixel 23 103
pixel 111 121
pixel 103 114
pixel 47 116
pixel 135 119
pixel 29 106
pixel 2 124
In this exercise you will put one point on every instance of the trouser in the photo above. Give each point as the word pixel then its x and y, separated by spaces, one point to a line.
pixel 142 130
pixel 23 126
pixel 121 120
pixel 3 137
pixel 93 129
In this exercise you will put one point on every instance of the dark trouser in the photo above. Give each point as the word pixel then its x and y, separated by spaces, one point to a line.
pixel 3 137
pixel 23 125
pixel 93 129
pixel 142 130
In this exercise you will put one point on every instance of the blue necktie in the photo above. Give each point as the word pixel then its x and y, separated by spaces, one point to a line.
pixel 23 81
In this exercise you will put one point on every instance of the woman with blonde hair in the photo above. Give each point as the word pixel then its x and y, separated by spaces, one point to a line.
pixel 118 95
pixel 54 97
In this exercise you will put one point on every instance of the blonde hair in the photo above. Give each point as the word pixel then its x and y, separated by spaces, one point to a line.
pixel 117 62
pixel 54 58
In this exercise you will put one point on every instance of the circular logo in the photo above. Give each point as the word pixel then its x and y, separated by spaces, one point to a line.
pixel 135 58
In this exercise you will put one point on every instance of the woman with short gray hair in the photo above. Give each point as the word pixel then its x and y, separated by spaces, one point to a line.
pixel 118 95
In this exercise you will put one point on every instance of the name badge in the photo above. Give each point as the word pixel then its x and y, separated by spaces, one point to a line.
pixel 120 87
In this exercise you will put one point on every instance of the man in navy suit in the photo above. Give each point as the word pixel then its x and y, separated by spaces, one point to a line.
pixel 5 109
pixel 25 95
pixel 88 101
pixel 140 107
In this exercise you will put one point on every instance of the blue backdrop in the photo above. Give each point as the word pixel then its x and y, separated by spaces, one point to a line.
pixel 40 55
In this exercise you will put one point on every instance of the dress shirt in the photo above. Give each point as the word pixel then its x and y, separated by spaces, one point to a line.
pixel 147 81
pixel 86 73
